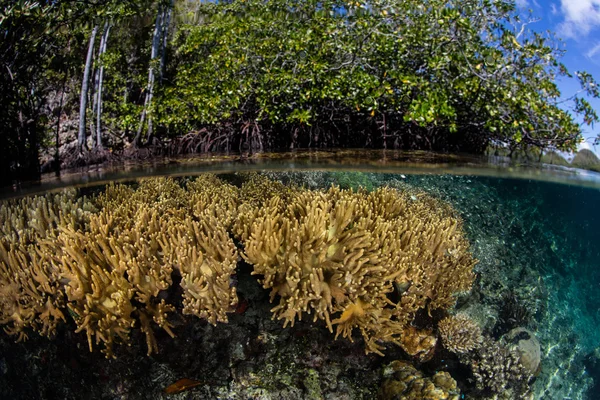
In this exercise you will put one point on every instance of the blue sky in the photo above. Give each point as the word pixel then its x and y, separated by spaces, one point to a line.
pixel 577 23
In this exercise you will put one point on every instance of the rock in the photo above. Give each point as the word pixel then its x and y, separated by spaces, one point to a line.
pixel 528 347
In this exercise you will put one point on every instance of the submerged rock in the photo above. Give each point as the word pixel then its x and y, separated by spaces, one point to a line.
pixel 527 346
pixel 405 382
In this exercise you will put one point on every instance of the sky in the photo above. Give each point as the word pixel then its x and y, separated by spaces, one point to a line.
pixel 577 23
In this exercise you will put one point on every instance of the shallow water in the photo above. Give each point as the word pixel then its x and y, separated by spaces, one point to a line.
pixel 534 231
pixel 378 161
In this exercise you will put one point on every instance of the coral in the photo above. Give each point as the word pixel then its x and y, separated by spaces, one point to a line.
pixel 30 295
pixel 206 258
pixel 106 260
pixel 207 194
pixel 497 370
pixel 405 382
pixel 338 251
pixel 418 343
pixel 108 265
pixel 179 229
pixel 256 192
pixel 29 219
pixel 460 334
pixel 514 312
pixel 524 342
pixel 354 260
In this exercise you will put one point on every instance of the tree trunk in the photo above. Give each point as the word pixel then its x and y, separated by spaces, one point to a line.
pixel 92 95
pixel 150 86
pixel 28 156
pixel 101 52
pixel 57 143
pixel 84 90
pixel 165 37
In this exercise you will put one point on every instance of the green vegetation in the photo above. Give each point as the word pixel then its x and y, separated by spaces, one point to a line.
pixel 586 159
pixel 552 157
pixel 201 76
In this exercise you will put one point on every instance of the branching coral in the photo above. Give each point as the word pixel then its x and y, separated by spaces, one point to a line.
pixel 497 370
pixel 342 252
pixel 338 255
pixel 460 334
pixel 107 259
pixel 30 295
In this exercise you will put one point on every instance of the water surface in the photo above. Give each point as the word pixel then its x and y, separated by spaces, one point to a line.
pixel 532 228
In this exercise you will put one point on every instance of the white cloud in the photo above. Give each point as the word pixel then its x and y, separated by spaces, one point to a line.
pixel 584 146
pixel 553 9
pixel 593 51
pixel 526 3
pixel 580 17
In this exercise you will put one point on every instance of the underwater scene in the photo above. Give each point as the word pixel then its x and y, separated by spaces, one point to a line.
pixel 302 284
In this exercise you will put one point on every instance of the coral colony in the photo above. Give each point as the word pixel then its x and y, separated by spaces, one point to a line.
pixel 359 261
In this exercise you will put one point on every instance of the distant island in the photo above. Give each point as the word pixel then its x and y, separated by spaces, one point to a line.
pixel 584 159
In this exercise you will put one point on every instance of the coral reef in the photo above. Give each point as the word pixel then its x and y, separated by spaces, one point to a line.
pixel 460 334
pixel 531 277
pixel 418 343
pixel 339 255
pixel 113 261
pixel 498 372
pixel 108 266
pixel 405 382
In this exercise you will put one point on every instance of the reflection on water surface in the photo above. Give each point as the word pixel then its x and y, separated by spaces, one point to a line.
pixel 382 161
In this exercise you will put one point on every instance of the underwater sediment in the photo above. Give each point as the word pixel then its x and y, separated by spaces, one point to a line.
pixel 183 258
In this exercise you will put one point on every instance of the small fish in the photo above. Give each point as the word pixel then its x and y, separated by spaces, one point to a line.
pixel 181 385
pixel 241 306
